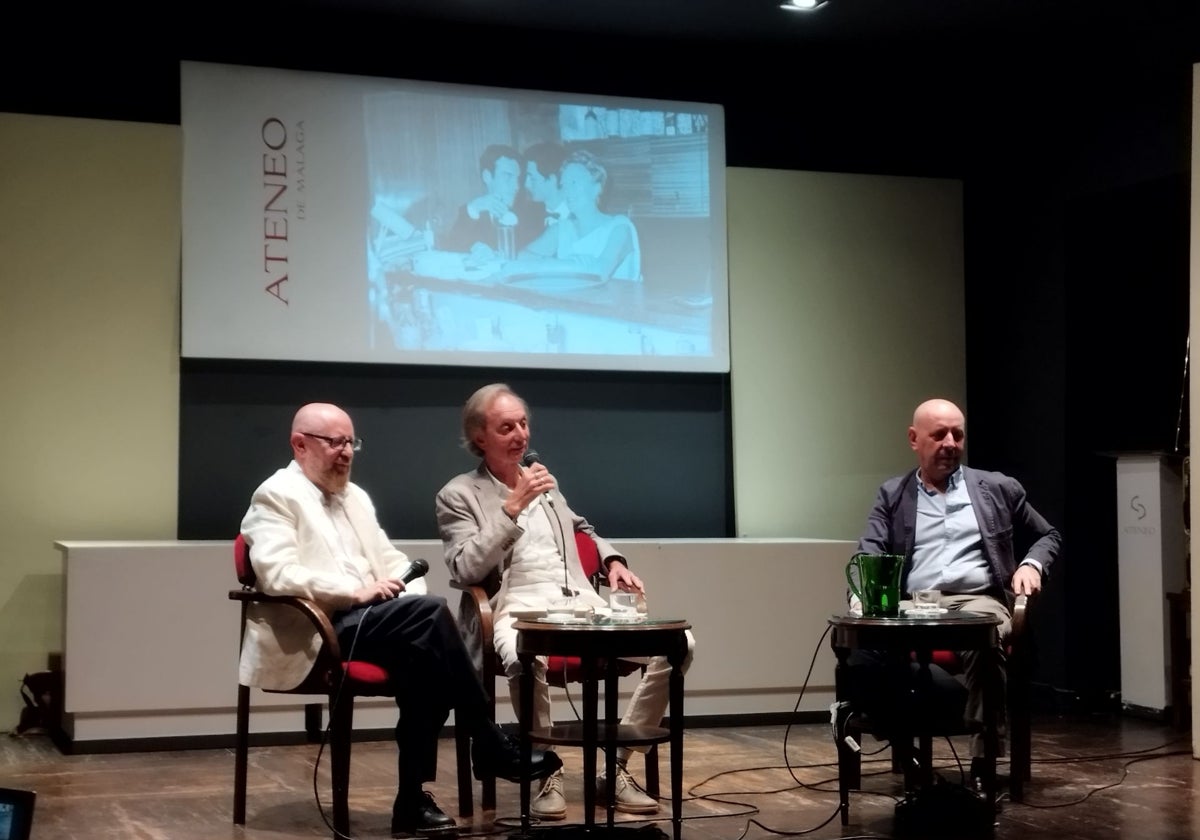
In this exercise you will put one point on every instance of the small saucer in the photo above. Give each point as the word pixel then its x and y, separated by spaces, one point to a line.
pixel 925 612
pixel 626 618
pixel 564 618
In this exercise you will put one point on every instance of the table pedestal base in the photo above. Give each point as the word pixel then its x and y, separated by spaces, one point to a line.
pixel 598 832
pixel 944 810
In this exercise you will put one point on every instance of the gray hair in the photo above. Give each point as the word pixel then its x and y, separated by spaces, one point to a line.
pixel 474 413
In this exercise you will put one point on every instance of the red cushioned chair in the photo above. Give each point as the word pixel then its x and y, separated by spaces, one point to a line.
pixel 1018 671
pixel 560 670
pixel 338 679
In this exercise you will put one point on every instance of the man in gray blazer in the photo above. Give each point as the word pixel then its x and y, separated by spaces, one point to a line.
pixel 314 534
pixel 507 522
pixel 955 527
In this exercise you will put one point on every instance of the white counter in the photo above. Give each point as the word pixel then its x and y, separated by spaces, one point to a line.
pixel 151 638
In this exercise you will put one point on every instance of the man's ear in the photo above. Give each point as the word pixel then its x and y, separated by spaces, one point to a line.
pixel 912 438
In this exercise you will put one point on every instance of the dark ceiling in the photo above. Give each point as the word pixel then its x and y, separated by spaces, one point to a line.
pixel 837 21
pixel 903 86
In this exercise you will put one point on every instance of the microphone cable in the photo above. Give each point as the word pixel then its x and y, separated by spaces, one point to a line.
pixel 417 568
pixel 528 460
pixel 329 726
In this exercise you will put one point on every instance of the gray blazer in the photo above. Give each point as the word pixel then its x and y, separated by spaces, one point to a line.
pixel 1000 507
pixel 478 537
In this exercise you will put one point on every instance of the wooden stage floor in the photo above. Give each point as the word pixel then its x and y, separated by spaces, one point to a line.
pixel 1094 778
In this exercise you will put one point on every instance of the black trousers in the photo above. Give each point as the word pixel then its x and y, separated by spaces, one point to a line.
pixel 416 639
pixel 885 689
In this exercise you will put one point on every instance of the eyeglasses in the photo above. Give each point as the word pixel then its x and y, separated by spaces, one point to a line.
pixel 337 442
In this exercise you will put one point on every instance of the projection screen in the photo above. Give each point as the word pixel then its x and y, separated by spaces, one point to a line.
pixel 353 219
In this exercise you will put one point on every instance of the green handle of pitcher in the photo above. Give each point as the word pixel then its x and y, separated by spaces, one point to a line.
pixel 854 563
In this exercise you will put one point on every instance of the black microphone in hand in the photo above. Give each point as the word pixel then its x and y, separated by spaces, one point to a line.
pixel 528 460
pixel 417 568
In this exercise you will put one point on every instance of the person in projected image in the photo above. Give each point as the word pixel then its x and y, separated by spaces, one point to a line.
pixel 314 533
pixel 475 229
pixel 588 240
pixel 506 525
pixel 956 527
pixel 542 164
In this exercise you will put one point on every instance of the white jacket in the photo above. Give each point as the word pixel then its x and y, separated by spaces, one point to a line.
pixel 294 551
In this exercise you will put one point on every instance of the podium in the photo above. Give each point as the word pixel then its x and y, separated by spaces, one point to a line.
pixel 1151 558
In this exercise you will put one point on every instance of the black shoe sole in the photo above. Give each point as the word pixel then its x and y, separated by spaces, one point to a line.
pixel 445 832
pixel 546 767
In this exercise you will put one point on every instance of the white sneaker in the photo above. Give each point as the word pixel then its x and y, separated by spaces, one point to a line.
pixel 629 798
pixel 550 804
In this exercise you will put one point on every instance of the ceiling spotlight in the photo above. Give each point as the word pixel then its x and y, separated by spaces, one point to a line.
pixel 802 5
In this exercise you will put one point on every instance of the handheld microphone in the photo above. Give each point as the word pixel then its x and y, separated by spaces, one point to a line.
pixel 528 460
pixel 417 568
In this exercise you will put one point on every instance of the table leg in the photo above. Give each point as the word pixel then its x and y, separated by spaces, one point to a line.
pixel 993 701
pixel 924 736
pixel 676 729
pixel 849 762
pixel 591 695
pixel 525 726
pixel 610 741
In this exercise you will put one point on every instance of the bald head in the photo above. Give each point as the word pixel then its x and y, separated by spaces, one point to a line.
pixel 313 428
pixel 936 408
pixel 313 415
pixel 937 434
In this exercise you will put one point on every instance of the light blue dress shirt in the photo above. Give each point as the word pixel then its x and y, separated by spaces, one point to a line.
pixel 948 547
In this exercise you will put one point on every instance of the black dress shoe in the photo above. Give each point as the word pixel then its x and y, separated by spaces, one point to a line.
pixel 502 758
pixel 419 814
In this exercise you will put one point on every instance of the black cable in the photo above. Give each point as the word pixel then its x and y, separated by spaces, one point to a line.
pixel 1124 774
pixel 804 687
pixel 502 824
pixel 1106 756
pixel 552 515
pixel 791 772
pixel 779 833
pixel 1134 756
pixel 567 591
pixel 329 726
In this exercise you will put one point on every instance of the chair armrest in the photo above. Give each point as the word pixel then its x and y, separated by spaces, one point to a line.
pixel 479 606
pixel 309 609
pixel 477 620
pixel 1023 606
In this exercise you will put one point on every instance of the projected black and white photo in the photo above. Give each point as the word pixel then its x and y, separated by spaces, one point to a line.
pixel 343 218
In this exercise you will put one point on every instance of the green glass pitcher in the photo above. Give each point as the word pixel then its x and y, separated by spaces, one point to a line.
pixel 878 586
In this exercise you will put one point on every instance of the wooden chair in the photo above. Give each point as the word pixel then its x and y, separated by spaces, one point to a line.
pixel 850 723
pixel 340 680
pixel 560 670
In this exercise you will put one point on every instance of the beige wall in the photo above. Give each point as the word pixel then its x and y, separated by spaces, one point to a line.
pixel 846 310
pixel 835 279
pixel 89 299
